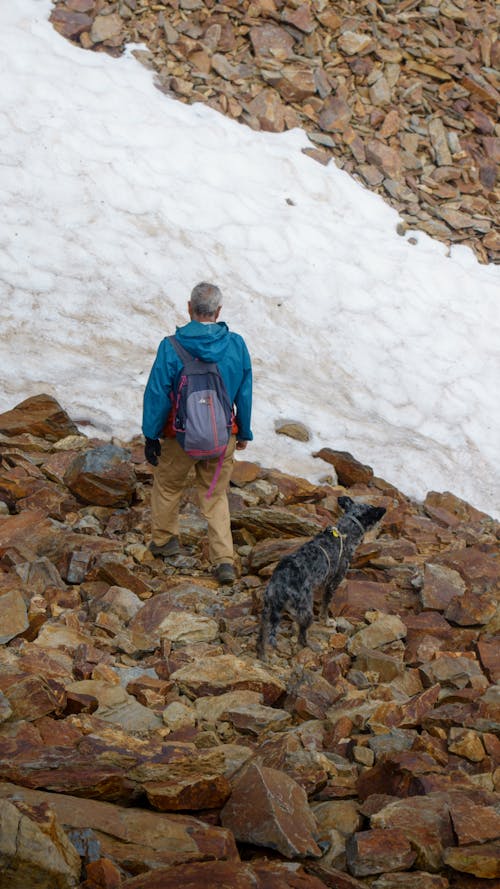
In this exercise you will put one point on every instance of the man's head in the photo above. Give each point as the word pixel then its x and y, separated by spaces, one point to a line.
pixel 205 303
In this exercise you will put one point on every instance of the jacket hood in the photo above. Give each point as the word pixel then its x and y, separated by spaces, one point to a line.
pixel 205 341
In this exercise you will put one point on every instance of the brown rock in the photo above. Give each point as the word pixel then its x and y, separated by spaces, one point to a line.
pixel 355 597
pixel 489 653
pixel 106 27
pixel 329 19
pixel 481 860
pixel 244 472
pixel 102 874
pixel 268 552
pixel 398 774
pixel 276 522
pixel 384 665
pixel 384 157
pixel 136 839
pixel 450 510
pixel 296 83
pixel 300 18
pixel 384 629
pixel 70 24
pixel 380 92
pixel 353 43
pixel 81 5
pixel 31 697
pixel 40 415
pixel 334 117
pixel 255 719
pixel 223 673
pixel 390 125
pixel 426 823
pixel 468 744
pixel 260 874
pixel 377 851
pixel 450 670
pixel 419 706
pixel 191 793
pixel 287 752
pixel 34 850
pixel 349 470
pixel 310 695
pixel 411 880
pixel 102 476
pixel 473 823
pixel 146 627
pixel 13 615
pixel 471 610
pixel 441 585
pixel 121 576
pixel 267 808
pixel 437 133
pixel 268 109
pixel 272 40
pixel 293 429
pixel 294 489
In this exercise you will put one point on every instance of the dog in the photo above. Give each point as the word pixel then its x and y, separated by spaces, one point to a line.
pixel 317 566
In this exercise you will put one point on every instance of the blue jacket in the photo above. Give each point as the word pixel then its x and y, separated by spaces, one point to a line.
pixel 210 342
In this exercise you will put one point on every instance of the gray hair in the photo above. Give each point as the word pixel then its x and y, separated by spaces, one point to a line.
pixel 205 299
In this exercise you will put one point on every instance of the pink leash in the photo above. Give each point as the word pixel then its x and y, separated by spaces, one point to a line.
pixel 217 473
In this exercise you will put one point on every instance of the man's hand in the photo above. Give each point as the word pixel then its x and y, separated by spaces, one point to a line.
pixel 152 450
pixel 241 445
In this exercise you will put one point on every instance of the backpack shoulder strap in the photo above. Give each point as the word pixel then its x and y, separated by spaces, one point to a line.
pixel 183 353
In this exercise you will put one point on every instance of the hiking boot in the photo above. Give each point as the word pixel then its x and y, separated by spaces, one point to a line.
pixel 170 548
pixel 225 573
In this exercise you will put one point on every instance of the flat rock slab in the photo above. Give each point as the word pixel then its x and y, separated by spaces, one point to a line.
pixel 254 719
pixel 412 880
pixel 268 808
pixel 191 793
pixel 228 875
pixel 481 860
pixel 377 851
pixel 224 673
pixel 387 628
pixel 134 838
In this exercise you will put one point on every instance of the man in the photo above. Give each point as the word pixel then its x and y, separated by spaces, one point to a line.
pixel 210 340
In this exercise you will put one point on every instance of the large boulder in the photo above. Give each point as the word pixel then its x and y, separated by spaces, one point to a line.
pixel 136 839
pixel 40 415
pixel 34 849
pixel 268 808
pixel 103 476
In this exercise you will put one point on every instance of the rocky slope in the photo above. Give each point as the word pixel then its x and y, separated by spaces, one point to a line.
pixel 402 94
pixel 143 745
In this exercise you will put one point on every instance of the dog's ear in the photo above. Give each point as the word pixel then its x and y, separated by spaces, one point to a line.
pixel 345 502
pixel 378 512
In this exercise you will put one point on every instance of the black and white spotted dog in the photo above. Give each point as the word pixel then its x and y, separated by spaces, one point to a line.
pixel 317 566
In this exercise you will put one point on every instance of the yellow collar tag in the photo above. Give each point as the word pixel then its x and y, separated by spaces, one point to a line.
pixel 335 533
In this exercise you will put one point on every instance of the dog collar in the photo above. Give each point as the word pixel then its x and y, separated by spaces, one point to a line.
pixel 356 521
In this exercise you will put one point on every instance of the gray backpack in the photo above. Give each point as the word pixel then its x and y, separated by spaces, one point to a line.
pixel 203 413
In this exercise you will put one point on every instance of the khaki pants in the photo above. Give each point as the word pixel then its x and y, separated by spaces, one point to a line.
pixel 168 484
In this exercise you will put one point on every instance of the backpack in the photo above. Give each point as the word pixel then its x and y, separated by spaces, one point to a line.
pixel 203 411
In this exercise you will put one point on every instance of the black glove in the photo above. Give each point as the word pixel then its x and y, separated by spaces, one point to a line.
pixel 152 450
